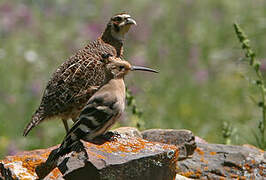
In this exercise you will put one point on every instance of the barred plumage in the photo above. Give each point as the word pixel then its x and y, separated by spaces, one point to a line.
pixel 104 107
pixel 77 79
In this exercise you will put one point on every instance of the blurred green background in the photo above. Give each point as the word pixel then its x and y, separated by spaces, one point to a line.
pixel 192 43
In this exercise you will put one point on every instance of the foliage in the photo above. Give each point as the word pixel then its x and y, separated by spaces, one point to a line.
pixel 190 42
pixel 228 132
pixel 135 110
pixel 259 83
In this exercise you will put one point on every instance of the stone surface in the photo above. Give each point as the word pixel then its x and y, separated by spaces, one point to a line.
pixel 129 131
pixel 179 177
pixel 216 161
pixel 183 139
pixel 125 157
pixel 131 157
pixel 22 165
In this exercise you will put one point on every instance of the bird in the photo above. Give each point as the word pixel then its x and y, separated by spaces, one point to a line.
pixel 104 108
pixel 80 76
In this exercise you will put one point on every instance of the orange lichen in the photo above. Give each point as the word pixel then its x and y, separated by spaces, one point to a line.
pixel 45 155
pixel 29 160
pixel 166 146
pixel 21 175
pixel 174 160
pixel 96 155
pixel 187 174
pixel 243 178
pixel 129 145
pixel 100 156
pixel 133 145
pixel 55 174
pixel 234 176
pixel 196 174
pixel 248 168
pixel 253 161
pixel 203 160
pixel 10 166
pixel 199 151
pixel 213 153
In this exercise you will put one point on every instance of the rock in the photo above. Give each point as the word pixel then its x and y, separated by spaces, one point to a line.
pixel 126 157
pixel 200 140
pixel 183 139
pixel 217 161
pixel 22 165
pixel 129 131
pixel 179 177
pixel 131 157
pixel 45 168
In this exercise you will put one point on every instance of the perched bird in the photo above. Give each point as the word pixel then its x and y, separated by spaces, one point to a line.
pixel 103 108
pixel 77 79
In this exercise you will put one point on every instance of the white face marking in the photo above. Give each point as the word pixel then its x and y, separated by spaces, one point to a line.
pixel 123 16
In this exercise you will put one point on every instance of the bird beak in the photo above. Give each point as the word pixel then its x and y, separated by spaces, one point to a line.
pixel 140 68
pixel 130 21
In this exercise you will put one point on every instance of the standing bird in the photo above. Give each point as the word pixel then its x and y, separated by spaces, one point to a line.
pixel 77 79
pixel 103 108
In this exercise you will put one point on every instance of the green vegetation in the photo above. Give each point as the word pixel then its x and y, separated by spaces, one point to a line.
pixel 200 85
pixel 259 82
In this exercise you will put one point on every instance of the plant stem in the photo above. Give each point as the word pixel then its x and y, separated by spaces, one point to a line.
pixel 249 53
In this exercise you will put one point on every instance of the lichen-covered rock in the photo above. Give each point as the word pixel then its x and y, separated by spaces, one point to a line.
pixel 131 157
pixel 126 157
pixel 179 177
pixel 183 139
pixel 217 161
pixel 22 165
pixel 129 131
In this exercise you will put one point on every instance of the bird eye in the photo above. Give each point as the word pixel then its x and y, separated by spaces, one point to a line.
pixel 121 67
pixel 105 56
pixel 118 18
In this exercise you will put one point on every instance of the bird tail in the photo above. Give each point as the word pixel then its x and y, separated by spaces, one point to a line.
pixel 35 120
pixel 45 168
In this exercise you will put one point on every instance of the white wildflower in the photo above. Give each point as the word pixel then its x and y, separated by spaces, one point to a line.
pixel 30 56
pixel 2 53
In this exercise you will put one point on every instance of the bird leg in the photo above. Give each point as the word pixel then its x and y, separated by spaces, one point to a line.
pixel 65 125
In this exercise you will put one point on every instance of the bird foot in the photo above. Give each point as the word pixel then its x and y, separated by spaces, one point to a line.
pixel 78 147
pixel 111 135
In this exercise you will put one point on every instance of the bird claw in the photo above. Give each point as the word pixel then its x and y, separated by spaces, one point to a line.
pixel 111 135
pixel 78 147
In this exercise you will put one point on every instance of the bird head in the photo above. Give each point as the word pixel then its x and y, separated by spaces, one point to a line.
pixel 119 68
pixel 120 25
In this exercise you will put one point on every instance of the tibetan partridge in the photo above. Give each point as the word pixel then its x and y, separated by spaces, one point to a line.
pixel 77 79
